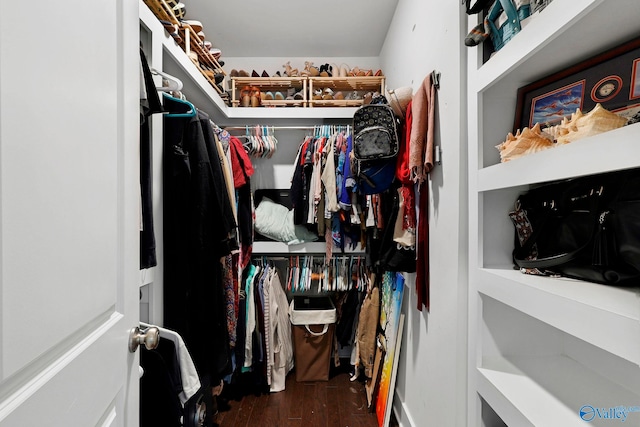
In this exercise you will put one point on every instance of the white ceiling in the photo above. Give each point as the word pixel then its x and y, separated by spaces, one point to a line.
pixel 294 28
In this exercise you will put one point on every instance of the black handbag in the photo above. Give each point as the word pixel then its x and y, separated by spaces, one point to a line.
pixel 585 228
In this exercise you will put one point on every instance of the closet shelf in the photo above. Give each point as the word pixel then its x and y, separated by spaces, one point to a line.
pixel 575 159
pixel 549 391
pixel 264 248
pixel 551 37
pixel 604 316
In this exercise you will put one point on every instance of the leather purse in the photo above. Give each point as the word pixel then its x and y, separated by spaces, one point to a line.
pixel 586 228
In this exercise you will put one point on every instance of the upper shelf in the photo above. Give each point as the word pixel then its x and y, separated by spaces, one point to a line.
pixel 200 92
pixel 564 33
pixel 303 248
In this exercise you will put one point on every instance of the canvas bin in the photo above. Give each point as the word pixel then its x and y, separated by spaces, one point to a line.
pixel 313 323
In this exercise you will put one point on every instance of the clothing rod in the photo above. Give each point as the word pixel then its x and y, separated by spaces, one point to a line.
pixel 278 127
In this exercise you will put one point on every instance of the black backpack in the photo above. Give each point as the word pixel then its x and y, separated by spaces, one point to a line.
pixel 375 147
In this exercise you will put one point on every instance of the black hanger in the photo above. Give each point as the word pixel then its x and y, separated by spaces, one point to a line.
pixel 435 79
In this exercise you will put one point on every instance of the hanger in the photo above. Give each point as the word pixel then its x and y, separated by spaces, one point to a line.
pixel 192 110
pixel 174 82
pixel 435 79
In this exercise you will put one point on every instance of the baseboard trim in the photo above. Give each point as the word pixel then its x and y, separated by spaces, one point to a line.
pixel 402 412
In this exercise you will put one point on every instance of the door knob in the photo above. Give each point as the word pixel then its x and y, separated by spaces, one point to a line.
pixel 150 337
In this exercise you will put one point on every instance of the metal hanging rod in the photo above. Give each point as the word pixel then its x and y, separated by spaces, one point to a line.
pixel 280 127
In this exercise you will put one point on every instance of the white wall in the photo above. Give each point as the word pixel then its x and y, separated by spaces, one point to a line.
pixel 426 35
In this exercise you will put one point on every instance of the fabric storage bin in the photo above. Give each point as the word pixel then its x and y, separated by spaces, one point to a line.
pixel 313 323
pixel 505 20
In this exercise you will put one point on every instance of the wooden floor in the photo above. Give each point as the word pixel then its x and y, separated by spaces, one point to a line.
pixel 333 403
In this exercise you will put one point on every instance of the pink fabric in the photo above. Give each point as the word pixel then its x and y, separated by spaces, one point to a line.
pixel 421 143
pixel 403 172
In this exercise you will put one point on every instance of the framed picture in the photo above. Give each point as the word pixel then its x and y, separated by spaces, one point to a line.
pixel 611 79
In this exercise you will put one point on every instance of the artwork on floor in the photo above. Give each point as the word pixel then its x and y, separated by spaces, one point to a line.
pixel 390 318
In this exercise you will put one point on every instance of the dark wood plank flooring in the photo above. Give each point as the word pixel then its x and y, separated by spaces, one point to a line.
pixel 333 403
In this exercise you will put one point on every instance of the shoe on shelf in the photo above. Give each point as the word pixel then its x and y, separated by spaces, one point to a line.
pixel 268 96
pixel 310 69
pixel 245 97
pixel 324 71
pixel 290 72
pixel 178 9
pixel 242 73
pixel 255 96
pixel 195 25
pixel 279 96
pixel 215 52
pixel 264 73
pixel 254 74
pixel 344 70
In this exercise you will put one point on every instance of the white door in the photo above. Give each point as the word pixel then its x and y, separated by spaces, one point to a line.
pixel 69 76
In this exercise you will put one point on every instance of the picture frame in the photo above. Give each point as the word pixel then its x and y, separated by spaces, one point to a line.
pixel 611 78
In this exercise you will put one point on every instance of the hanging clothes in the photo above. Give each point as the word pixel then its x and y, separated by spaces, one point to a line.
pixel 198 232
pixel 281 357
pixel 149 104
pixel 322 189
pixel 421 163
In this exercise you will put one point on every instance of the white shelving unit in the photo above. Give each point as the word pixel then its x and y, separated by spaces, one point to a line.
pixel 303 248
pixel 558 344
pixel 204 96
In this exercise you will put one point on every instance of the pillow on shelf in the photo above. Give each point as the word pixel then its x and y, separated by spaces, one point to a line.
pixel 275 221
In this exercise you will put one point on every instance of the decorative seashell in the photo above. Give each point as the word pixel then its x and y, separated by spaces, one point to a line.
pixel 528 142
pixel 597 121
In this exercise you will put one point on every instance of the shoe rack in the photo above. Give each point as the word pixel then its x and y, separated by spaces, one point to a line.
pixel 352 89
pixel 258 87
pixel 189 41
pixel 356 86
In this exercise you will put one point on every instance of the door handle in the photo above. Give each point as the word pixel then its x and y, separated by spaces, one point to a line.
pixel 150 337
